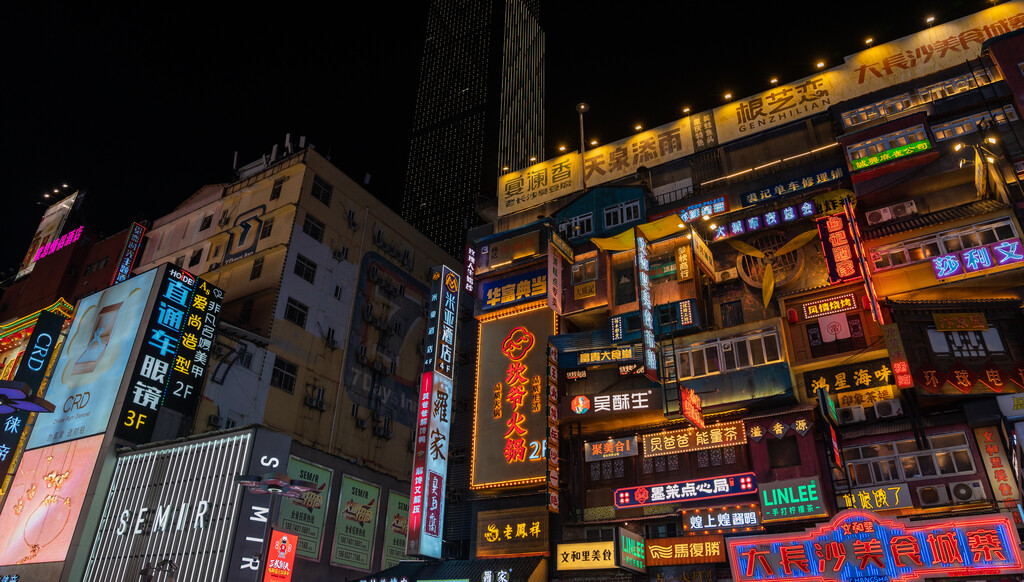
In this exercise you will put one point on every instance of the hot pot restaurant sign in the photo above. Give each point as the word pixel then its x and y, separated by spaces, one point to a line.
pixel 683 491
pixel 861 546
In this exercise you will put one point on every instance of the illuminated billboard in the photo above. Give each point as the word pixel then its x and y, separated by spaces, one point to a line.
pixel 88 374
pixel 681 491
pixel 305 516
pixel 512 532
pixel 861 545
pixel 45 500
pixel 50 227
pixel 281 558
pixel 511 417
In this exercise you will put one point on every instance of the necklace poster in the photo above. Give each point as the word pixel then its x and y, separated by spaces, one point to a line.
pixel 45 501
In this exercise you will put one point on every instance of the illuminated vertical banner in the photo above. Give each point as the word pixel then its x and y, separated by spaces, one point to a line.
pixel 126 260
pixel 897 355
pixel 31 370
pixel 191 361
pixel 552 402
pixel 281 557
pixel 555 281
pixel 837 245
pixel 433 425
pixel 643 283
pixel 510 420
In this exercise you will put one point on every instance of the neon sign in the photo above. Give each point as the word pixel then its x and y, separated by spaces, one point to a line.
pixel 643 283
pixel 997 254
pixel 858 545
pixel 837 246
pixel 693 439
pixel 681 491
pixel 56 245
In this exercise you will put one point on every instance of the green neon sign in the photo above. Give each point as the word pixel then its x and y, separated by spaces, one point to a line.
pixel 890 155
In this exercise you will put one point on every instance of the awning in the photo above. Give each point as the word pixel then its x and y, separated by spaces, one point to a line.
pixel 625 241
pixel 533 569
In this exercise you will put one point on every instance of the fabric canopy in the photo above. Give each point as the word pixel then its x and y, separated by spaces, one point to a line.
pixel 624 241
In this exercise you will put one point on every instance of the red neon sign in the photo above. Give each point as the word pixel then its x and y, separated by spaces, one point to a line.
pixel 837 246
pixel 861 545
pixel 516 346
pixel 281 558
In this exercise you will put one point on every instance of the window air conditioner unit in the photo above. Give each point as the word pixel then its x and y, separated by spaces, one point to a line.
pixel 903 209
pixel 727 275
pixel 932 495
pixel 214 420
pixel 966 491
pixel 382 432
pixel 361 422
pixel 888 408
pixel 321 405
pixel 879 215
pixel 311 401
pixel 851 414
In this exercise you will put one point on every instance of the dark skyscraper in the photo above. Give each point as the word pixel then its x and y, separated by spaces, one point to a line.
pixel 479 108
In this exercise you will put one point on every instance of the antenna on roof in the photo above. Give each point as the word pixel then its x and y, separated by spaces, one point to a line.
pixel 234 163
pixel 288 143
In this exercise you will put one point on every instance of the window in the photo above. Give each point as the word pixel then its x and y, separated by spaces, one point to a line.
pixel 581 225
pixel 716 457
pixel 621 213
pixel 584 271
pixel 783 452
pixel 969 124
pixel 924 248
pixel 275 191
pixel 305 268
pixel 625 287
pixel 321 190
pixel 662 530
pixel 754 349
pixel 600 534
pixel 246 312
pixel 245 359
pixel 732 313
pixel 283 374
pixel 607 469
pixel 337 292
pixel 257 269
pixel 296 312
pixel 889 462
pixel 205 224
pixel 966 344
pixel 819 347
pixel 180 261
pixel 268 225
pixel 197 255
pixel 313 228
pixel 876 110
pixel 886 142
pixel 660 464
pixel 952 86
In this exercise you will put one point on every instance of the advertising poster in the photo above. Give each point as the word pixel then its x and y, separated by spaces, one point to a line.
pixel 396 529
pixel 45 501
pixel 356 525
pixel 88 374
pixel 305 516
pixel 281 558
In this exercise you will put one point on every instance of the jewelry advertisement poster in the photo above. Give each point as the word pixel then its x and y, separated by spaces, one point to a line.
pixel 45 501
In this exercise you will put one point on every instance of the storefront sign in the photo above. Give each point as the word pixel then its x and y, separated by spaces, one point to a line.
pixel 702 254
pixel 305 516
pixel 576 375
pixel 696 549
pixel 512 532
pixel 683 263
pixel 511 419
pixel 890 155
pixel 792 499
pixel 469 275
pixel 584 290
pixel 608 356
pixel 280 557
pixel 129 252
pixel 838 249
pixel 612 403
pixel 687 313
pixel 1000 474
pixel 960 321
pixel 833 201
pixel 691 407
pixel 58 244
pixel 503 252
pixel 729 519
pixel 712 207
pixel 860 546
pixel 864 375
pixel 867 397
pixel 397 519
pixel 612 448
pixel 562 246
pixel 355 528
pixel 92 365
pixel 725 434
pixel 683 491
pixel 786 188
pixel 515 290
pixel 430 466
pixel 447 326
pixel 555 281
pixel 897 355
pixel 585 556
pixel 646 299
pixel 879 498
pixel 974 259
pixel 539 183
pixel 631 553
pixel 631 369
pixel 552 442
pixel 770 219
pixel 49 229
pixel 830 306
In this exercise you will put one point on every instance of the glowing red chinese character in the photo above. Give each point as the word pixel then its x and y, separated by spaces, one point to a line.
pixel 793 556
pixel 944 548
pixel 905 546
pixel 515 425
pixel 756 558
pixel 515 395
pixel 516 374
pixel 869 551
pixel 985 545
pixel 830 551
pixel 515 450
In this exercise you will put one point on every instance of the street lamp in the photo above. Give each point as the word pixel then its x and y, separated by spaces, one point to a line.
pixel 582 108
pixel 278 485
pixel 18 396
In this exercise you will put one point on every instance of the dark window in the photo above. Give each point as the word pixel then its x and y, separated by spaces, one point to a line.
pixel 207 221
pixel 313 228
pixel 268 225
pixel 196 256
pixel 296 312
pixel 257 269
pixel 625 285
pixel 732 313
pixel 305 268
pixel 783 452
pixel 246 313
pixel 321 190
pixel 180 261
pixel 275 192
pixel 662 530
pixel 283 374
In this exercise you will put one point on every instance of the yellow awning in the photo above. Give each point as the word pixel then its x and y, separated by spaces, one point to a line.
pixel 655 230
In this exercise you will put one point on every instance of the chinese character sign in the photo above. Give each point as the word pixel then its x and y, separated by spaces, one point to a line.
pixel 447 324
pixel 618 403
pixel 646 296
pixel 861 545
pixel 838 248
pixel 396 522
pixel 305 516
pixel 512 532
pixel 280 557
pixel 612 448
pixel 792 499
pixel 356 526
pixel 585 556
pixel 829 306
pixel 771 193
pixel 522 288
pixel 511 418
pixel 725 434
pixel 974 259
pixel 192 361
pixel 694 549
pixel 126 260
pixel 539 183
pixel 681 491
pixel 878 498
pixel 891 154
pixel 1001 475
pixel 430 466
pixel 722 519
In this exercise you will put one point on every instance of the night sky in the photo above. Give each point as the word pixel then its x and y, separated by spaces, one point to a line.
pixel 142 106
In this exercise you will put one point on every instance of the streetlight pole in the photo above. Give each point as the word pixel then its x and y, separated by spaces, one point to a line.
pixel 277 485
pixel 582 108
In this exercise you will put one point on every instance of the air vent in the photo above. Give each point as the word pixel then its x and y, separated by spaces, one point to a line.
pixel 966 491
pixel 932 495
pixel 888 408
pixel 879 215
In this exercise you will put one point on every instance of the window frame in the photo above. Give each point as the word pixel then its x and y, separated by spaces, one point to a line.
pixel 267 228
pixel 322 190
pixel 621 213
pixel 294 311
pixel 257 269
pixel 714 351
pixel 896 469
pixel 917 250
pixel 305 268
pixel 284 376
pixel 311 223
